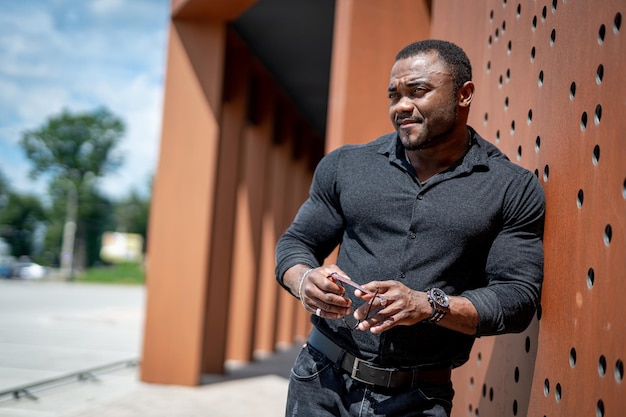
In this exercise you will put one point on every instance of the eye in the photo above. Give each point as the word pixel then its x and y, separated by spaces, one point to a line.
pixel 419 91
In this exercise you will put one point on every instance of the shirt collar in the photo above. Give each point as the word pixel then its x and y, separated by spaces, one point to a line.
pixel 477 156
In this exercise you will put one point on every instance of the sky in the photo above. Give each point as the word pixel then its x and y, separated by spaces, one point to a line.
pixel 80 55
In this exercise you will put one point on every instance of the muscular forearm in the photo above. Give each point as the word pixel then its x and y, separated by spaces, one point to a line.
pixel 461 317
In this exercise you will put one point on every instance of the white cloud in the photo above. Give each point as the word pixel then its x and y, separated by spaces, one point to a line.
pixel 75 55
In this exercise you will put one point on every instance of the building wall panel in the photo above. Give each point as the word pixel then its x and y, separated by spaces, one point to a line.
pixel 549 93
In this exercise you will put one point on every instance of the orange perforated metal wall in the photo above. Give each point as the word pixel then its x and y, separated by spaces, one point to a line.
pixel 550 92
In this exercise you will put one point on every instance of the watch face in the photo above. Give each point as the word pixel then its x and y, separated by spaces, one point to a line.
pixel 440 297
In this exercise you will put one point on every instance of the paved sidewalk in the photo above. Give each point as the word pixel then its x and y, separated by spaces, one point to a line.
pixel 50 329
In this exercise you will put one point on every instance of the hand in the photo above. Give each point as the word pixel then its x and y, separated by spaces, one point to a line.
pixel 399 305
pixel 320 295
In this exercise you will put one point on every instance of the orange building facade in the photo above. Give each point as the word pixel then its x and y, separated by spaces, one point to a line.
pixel 257 92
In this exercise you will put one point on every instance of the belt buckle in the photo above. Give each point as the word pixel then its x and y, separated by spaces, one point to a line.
pixel 356 369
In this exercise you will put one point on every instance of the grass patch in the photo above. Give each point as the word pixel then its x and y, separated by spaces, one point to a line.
pixel 124 273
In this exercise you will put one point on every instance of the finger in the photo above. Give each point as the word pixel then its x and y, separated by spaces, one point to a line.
pixel 331 309
pixel 378 323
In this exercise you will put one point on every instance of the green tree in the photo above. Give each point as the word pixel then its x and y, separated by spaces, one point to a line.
pixel 73 151
pixel 20 216
pixel 19 220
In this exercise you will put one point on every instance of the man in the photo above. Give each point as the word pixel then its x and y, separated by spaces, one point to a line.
pixel 442 232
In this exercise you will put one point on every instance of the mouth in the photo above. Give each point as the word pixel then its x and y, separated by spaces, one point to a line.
pixel 406 121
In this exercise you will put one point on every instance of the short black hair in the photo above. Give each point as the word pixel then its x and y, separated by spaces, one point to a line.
pixel 454 57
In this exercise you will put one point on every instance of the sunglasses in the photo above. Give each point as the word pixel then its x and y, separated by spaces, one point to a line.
pixel 341 280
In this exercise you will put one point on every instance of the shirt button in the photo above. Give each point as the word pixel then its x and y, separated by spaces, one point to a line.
pixel 402 275
pixel 420 197
pixel 412 235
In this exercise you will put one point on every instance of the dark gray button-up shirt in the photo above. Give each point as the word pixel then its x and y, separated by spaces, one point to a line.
pixel 474 230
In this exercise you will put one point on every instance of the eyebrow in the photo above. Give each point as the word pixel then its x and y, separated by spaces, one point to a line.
pixel 411 83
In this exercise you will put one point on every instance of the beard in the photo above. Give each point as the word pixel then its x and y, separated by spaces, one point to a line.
pixel 431 131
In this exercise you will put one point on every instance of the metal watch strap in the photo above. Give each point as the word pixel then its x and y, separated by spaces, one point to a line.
pixel 437 313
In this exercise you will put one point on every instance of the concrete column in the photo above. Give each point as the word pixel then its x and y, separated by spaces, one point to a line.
pixel 182 207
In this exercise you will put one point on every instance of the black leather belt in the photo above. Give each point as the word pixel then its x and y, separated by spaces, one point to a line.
pixel 371 374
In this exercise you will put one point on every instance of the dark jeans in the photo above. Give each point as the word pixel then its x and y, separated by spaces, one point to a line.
pixel 318 388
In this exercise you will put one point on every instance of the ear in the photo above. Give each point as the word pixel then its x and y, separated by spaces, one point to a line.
pixel 465 94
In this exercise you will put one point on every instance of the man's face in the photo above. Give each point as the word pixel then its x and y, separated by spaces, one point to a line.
pixel 423 108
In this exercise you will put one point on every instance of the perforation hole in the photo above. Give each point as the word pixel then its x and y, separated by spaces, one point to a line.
pixel 583 121
pixel 599 74
pixel 544 13
pixel 601 34
pixel 519 152
pixel 532 54
pixel 554 4
pixel 617 23
pixel 516 374
pixel 558 394
pixel 512 127
pixel 546 173
pixel 602 366
pixel 514 407
pixel 552 37
pixel 534 23
pixel 580 198
pixel 509 47
pixel 600 408
pixel 546 387
pixel 540 80
pixel 572 357
pixel 619 370
pixel 537 144
pixel 506 103
pixel 608 234
pixel 591 278
pixel 597 114
pixel 572 91
pixel 596 155
pixel 530 116
pixel 519 10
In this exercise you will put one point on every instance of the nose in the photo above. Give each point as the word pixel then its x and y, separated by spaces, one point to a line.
pixel 404 105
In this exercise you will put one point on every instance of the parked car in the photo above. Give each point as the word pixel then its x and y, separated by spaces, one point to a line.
pixel 30 270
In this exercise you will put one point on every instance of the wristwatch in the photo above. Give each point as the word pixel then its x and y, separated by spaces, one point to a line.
pixel 440 303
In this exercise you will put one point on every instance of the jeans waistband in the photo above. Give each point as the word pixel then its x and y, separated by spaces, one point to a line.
pixel 372 374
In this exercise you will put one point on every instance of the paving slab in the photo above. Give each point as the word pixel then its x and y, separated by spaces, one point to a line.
pixel 52 329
